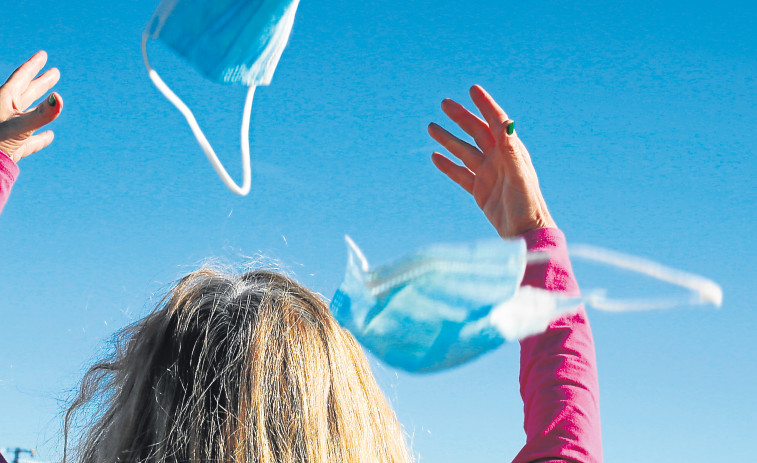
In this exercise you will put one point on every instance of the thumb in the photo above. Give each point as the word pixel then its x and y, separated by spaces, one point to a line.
pixel 43 114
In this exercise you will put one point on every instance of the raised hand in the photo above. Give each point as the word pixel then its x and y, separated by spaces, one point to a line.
pixel 17 125
pixel 498 171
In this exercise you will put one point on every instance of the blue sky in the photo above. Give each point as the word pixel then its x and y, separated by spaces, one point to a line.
pixel 638 116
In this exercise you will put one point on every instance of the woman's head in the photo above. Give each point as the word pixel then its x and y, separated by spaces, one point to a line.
pixel 237 368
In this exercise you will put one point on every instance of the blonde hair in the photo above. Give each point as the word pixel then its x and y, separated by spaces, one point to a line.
pixel 246 368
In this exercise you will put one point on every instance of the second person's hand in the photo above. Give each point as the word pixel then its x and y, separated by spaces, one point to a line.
pixel 17 125
pixel 498 171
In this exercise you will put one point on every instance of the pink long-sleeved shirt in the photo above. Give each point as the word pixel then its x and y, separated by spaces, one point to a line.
pixel 8 174
pixel 558 374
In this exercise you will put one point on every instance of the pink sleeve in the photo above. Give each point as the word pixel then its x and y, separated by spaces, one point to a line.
pixel 558 372
pixel 8 174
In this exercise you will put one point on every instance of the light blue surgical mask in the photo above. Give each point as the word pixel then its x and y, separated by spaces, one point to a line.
pixel 442 305
pixel 450 303
pixel 228 41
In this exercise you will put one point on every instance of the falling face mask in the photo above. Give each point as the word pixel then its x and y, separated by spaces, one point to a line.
pixel 450 303
pixel 228 41
pixel 443 305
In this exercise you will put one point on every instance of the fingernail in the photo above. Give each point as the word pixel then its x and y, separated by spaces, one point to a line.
pixel 511 127
pixel 52 101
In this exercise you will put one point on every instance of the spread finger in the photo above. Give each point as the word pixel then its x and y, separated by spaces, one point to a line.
pixel 470 123
pixel 36 143
pixel 30 121
pixel 20 79
pixel 467 153
pixel 459 174
pixel 38 88
pixel 494 115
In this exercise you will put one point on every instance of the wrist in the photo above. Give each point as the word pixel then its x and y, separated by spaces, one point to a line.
pixel 537 224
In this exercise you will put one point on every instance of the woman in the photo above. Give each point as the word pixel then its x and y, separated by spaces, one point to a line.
pixel 254 368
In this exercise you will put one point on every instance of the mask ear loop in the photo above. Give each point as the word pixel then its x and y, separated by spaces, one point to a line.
pixel 704 291
pixel 200 136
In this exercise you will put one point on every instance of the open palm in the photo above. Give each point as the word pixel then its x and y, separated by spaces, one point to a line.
pixel 498 171
pixel 17 125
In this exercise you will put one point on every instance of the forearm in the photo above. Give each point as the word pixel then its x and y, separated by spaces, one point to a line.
pixel 8 174
pixel 558 374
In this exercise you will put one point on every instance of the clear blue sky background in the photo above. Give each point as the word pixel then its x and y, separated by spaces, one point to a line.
pixel 639 117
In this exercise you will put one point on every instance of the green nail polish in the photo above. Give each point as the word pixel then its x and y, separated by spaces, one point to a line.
pixel 511 127
pixel 52 101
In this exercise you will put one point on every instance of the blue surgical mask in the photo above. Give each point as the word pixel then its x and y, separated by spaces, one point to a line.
pixel 228 41
pixel 450 303
pixel 443 305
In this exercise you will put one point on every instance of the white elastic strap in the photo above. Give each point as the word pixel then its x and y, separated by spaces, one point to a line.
pixel 201 139
pixel 704 291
